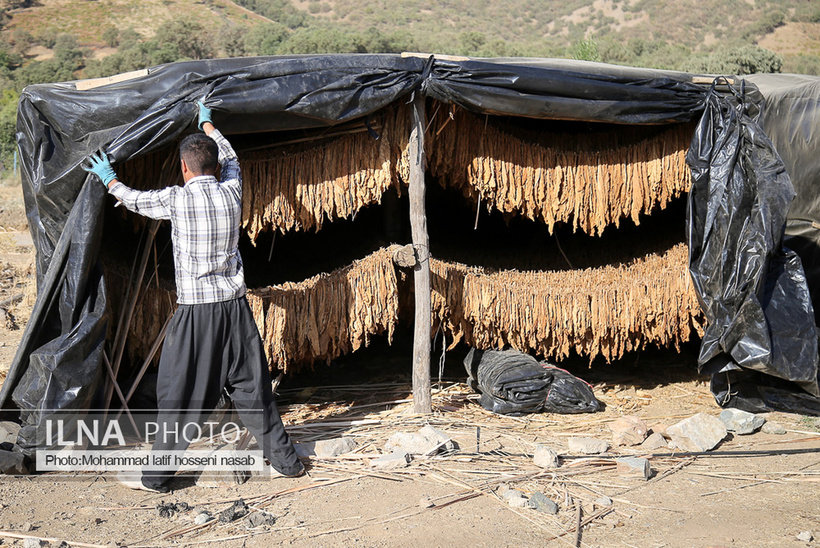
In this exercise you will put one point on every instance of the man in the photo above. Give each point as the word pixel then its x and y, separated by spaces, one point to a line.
pixel 212 341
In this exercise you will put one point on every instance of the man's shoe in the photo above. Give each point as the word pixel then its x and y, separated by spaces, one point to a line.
pixel 133 480
pixel 274 473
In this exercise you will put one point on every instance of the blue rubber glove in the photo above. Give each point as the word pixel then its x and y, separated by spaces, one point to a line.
pixel 204 114
pixel 99 165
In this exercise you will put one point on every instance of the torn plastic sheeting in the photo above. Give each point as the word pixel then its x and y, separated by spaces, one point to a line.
pixel 512 383
pixel 752 290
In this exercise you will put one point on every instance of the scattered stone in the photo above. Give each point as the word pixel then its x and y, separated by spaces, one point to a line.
pixel 518 502
pixel 13 463
pixel 390 461
pixel 334 447
pixel 700 432
pixel 202 518
pixel 415 444
pixel 603 501
pixel 741 422
pixel 660 429
pixel 427 441
pixel 33 543
pixel 425 502
pixel 653 442
pixel 770 427
pixel 438 439
pixel 502 488
pixel 8 431
pixel 512 494
pixel 633 467
pixel 325 448
pixel 587 446
pixel 542 503
pixel 237 510
pixel 27 526
pixel 628 430
pixel 258 519
pixel 545 457
pixel 805 536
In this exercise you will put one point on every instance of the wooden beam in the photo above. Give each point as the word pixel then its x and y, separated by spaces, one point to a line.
pixel 422 398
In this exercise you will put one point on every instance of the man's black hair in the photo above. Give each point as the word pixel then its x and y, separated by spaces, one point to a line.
pixel 200 153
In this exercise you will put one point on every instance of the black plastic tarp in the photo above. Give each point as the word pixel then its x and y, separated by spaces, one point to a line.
pixel 513 383
pixel 753 290
pixel 58 362
pixel 791 119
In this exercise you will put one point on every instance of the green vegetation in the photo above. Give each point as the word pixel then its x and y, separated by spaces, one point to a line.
pixel 716 37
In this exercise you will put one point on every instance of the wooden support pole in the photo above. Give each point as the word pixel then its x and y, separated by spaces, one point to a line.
pixel 421 271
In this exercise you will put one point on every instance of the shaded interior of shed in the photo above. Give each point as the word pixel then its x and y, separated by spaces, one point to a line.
pixel 464 231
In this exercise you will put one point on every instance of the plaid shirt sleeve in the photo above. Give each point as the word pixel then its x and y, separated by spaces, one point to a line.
pixel 155 204
pixel 228 160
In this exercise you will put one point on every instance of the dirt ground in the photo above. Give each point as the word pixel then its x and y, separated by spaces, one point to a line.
pixel 766 496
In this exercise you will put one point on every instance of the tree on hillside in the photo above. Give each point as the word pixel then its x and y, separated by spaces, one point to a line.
pixel 231 40
pixel 738 61
pixel 265 39
pixel 188 36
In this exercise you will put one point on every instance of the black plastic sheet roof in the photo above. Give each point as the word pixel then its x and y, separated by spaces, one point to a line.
pixel 58 363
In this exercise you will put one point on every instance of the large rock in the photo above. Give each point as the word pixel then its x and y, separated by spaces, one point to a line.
pixel 741 422
pixel 545 457
pixel 325 448
pixel 770 427
pixel 587 446
pixel 653 442
pixel 334 447
pixel 628 430
pixel 427 441
pixel 632 467
pixel 415 444
pixel 438 439
pixel 698 433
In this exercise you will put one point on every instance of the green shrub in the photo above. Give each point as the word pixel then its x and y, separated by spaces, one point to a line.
pixel 111 37
pixel 585 50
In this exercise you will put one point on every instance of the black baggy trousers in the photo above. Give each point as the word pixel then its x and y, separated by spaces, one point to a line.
pixel 209 347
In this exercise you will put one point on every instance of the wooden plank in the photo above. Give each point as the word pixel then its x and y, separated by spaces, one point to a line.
pixel 438 56
pixel 723 80
pixel 91 83
pixel 422 397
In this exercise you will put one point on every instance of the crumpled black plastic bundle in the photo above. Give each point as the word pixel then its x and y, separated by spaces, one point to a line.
pixel 512 383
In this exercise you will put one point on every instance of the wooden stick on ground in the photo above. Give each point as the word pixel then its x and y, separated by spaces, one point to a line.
pixel 50 540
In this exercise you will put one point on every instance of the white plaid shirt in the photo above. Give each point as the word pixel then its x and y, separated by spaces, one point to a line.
pixel 205 215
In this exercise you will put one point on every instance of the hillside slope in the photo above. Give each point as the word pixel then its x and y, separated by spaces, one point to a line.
pixel 673 34
pixel 87 19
